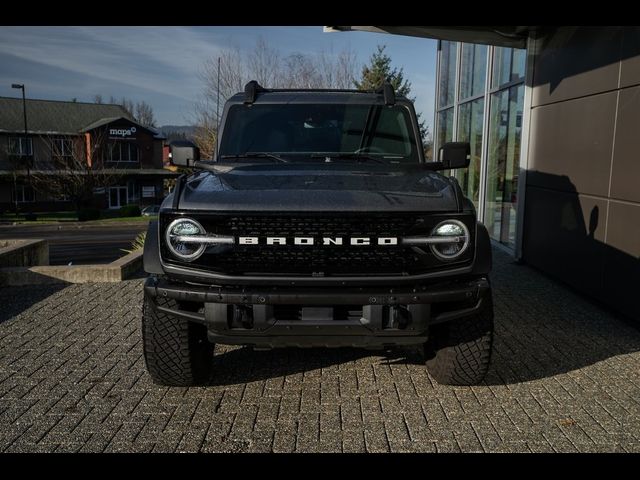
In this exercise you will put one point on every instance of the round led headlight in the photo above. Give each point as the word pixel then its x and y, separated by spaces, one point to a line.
pixel 177 236
pixel 454 237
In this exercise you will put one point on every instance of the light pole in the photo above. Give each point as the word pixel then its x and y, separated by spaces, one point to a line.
pixel 24 113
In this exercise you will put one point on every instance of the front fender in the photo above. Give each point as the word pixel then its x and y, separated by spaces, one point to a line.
pixel 484 259
pixel 151 254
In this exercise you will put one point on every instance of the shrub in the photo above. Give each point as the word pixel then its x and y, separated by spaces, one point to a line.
pixel 130 211
pixel 88 214
pixel 137 244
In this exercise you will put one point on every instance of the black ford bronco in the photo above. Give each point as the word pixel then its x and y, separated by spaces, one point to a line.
pixel 318 223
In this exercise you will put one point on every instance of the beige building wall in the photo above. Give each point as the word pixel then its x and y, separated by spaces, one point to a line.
pixel 582 206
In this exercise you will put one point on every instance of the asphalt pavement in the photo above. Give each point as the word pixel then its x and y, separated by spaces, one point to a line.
pixel 77 243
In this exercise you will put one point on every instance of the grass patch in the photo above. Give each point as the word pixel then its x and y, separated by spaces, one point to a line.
pixel 126 219
pixel 42 217
pixel 62 217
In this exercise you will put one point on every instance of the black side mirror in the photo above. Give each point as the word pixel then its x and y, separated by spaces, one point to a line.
pixel 455 155
pixel 184 153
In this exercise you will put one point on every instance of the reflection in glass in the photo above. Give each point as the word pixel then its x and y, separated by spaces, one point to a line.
pixel 517 69
pixel 447 78
pixel 470 118
pixel 445 126
pixel 473 70
pixel 508 66
pixel 505 125
pixel 501 66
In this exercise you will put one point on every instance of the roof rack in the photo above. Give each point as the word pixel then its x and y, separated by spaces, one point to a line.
pixel 389 95
pixel 252 88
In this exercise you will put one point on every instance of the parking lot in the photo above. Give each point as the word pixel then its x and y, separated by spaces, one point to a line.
pixel 565 376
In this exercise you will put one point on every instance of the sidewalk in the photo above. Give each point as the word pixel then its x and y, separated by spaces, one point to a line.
pixel 564 377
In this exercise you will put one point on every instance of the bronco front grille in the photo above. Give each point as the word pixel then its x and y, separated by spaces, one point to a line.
pixel 317 259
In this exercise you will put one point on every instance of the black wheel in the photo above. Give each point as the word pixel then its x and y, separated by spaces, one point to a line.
pixel 459 352
pixel 176 351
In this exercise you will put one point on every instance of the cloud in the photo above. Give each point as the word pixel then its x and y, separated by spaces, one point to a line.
pixel 163 60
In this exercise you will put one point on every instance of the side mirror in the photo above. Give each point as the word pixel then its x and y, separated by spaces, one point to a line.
pixel 183 153
pixel 455 155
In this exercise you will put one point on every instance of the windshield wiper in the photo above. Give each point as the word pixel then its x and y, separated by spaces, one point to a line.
pixel 348 156
pixel 254 155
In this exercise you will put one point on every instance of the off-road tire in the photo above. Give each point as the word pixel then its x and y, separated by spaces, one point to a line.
pixel 176 351
pixel 459 352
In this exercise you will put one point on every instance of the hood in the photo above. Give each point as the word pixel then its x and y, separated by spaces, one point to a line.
pixel 343 187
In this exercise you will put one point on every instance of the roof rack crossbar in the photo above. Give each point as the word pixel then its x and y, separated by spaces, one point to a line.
pixel 252 89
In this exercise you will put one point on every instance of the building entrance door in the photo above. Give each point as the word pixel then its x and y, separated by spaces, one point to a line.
pixel 118 197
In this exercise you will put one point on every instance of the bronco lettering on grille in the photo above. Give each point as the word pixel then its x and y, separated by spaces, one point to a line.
pixel 324 241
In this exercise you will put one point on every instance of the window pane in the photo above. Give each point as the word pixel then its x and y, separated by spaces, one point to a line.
pixel 470 118
pixel 14 146
pixel 505 126
pixel 445 126
pixel 508 65
pixel 20 146
pixel 473 70
pixel 67 146
pixel 447 80
pixel 133 149
pixel 114 151
pixel 501 66
pixel 517 69
pixel 25 146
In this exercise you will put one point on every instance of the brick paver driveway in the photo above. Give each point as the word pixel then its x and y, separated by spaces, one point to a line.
pixel 565 376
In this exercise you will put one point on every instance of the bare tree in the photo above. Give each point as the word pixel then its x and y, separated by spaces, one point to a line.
pixel 300 71
pixel 337 71
pixel 266 65
pixel 141 111
pixel 74 170
pixel 128 105
pixel 345 69
pixel 263 62
pixel 232 77
pixel 144 114
pixel 205 134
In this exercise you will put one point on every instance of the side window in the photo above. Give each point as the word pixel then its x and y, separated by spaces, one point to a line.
pixel 391 133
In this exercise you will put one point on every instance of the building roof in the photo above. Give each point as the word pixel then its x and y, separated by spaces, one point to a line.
pixel 50 116
pixel 99 123
pixel 503 36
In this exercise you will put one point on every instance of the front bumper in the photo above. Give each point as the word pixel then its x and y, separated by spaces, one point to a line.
pixel 286 316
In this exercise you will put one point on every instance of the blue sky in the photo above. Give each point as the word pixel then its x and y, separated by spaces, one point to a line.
pixel 160 64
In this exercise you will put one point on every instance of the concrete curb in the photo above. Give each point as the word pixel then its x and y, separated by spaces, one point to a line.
pixel 23 252
pixel 116 271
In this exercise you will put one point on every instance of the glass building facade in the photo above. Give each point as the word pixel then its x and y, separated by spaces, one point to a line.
pixel 480 97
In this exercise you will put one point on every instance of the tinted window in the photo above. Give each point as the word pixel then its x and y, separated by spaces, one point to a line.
pixel 300 130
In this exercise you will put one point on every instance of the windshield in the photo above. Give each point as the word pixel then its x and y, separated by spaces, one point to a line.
pixel 334 131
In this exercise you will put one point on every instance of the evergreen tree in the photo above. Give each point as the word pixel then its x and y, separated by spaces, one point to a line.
pixel 378 71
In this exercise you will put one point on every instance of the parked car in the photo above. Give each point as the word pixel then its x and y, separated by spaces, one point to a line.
pixel 150 210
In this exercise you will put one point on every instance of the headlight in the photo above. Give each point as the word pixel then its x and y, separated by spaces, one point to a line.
pixel 449 239
pixel 177 238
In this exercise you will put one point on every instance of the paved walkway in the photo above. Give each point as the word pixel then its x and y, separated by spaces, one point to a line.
pixel 565 377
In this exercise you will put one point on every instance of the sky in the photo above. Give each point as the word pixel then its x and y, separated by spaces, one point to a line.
pixel 160 65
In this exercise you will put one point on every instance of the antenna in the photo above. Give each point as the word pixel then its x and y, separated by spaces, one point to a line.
pixel 218 102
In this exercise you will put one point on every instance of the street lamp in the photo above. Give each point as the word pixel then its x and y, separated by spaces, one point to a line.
pixel 24 113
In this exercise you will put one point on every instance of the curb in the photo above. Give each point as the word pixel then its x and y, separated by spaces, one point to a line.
pixel 116 271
